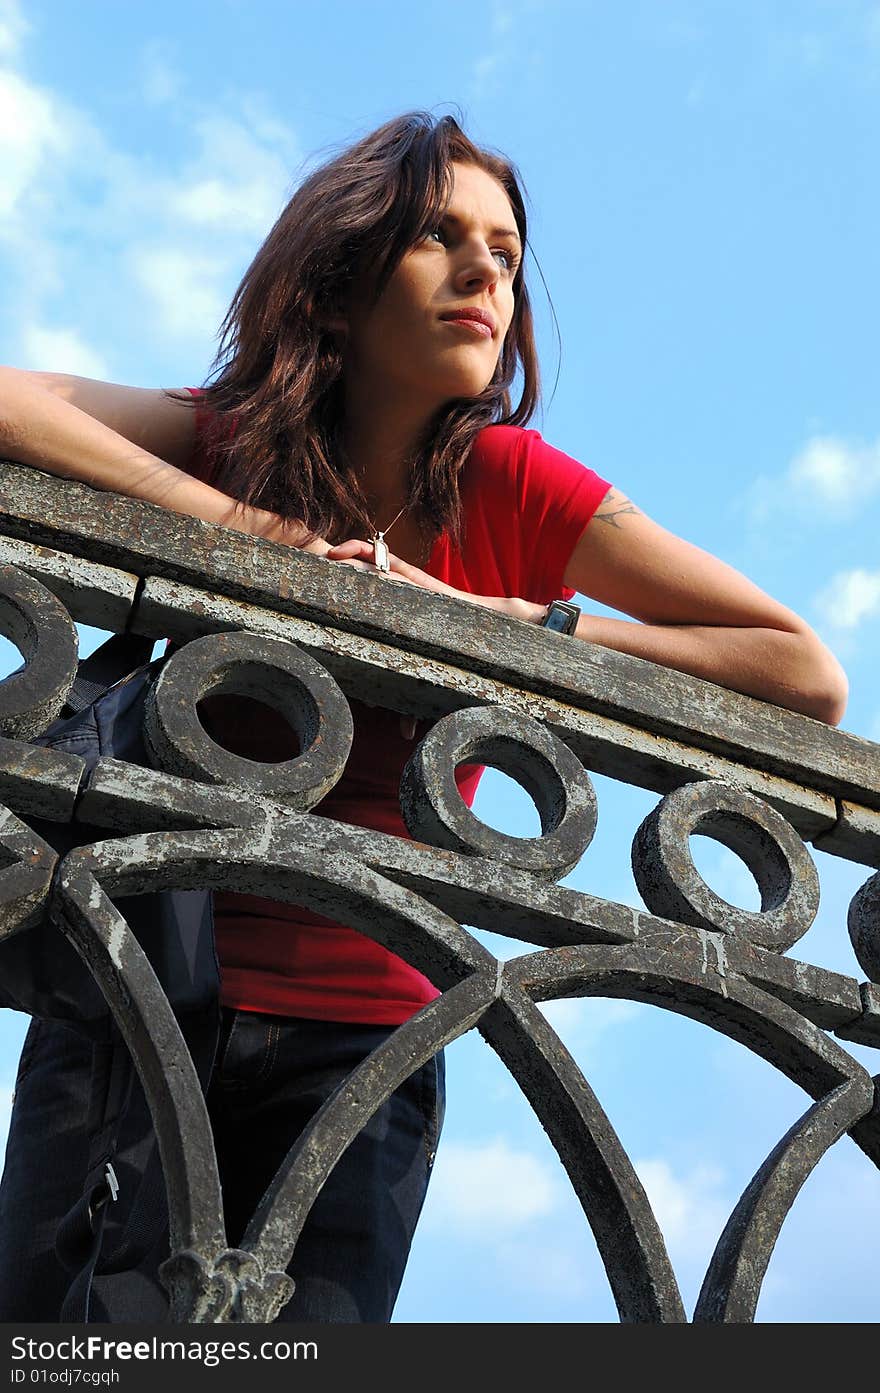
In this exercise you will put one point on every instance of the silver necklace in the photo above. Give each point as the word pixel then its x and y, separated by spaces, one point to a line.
pixel 380 550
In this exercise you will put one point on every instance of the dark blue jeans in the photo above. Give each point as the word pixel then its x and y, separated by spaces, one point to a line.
pixel 271 1076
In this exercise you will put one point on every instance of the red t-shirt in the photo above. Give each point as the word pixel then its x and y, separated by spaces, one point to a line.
pixel 524 506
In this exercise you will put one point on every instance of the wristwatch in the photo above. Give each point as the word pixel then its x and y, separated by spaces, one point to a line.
pixel 561 617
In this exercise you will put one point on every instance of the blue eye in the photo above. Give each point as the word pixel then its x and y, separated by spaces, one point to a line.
pixel 507 258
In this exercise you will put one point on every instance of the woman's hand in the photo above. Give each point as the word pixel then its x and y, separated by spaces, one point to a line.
pixel 698 614
pixel 360 555
pixel 131 440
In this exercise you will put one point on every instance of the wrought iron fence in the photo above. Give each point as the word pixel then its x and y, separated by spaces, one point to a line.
pixel 259 619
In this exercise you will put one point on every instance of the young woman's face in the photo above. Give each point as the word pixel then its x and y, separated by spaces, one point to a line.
pixel 438 328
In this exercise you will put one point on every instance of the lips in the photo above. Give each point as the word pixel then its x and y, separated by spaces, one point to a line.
pixel 477 320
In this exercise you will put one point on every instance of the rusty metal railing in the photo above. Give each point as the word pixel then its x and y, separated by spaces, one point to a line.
pixel 259 619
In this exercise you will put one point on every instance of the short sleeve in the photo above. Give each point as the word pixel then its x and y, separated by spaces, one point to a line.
pixel 557 498
pixel 202 463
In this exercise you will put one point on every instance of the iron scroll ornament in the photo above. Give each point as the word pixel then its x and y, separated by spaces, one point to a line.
pixel 239 835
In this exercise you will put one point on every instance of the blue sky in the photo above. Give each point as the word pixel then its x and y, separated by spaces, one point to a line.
pixel 704 200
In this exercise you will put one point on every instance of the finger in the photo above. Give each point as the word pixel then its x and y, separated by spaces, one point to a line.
pixel 351 548
pixel 356 564
pixel 367 566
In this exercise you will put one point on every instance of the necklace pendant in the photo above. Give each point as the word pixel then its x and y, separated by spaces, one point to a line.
pixel 380 553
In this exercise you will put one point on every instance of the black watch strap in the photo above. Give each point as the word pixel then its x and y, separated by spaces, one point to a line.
pixel 561 617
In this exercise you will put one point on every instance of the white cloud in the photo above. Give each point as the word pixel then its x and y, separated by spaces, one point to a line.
pixel 219 203
pixel 502 19
pixel 830 477
pixel 239 183
pixel 13 28
pixel 822 1269
pixel 61 350
pixel 834 472
pixel 581 1022
pixel 725 873
pixel 32 131
pixel 493 1192
pixel 500 54
pixel 161 81
pixel 186 290
pixel 490 1187
pixel 551 1269
pixel 690 1209
pixel 66 183
pixel 485 68
pixel 849 598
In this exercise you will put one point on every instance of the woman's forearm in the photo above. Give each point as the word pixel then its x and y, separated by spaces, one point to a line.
pixel 790 668
pixel 40 428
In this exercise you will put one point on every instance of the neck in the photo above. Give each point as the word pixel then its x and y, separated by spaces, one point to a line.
pixel 380 440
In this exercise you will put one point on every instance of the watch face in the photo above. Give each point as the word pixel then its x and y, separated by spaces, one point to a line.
pixel 562 617
pixel 558 621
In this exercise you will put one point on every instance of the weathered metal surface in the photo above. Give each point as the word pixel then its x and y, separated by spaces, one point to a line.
pixel 671 885
pixel 147 540
pixel 854 836
pixel 279 1218
pixel 39 782
pixel 92 594
pixel 302 634
pixel 269 671
pixel 268 860
pixel 623 1224
pixel 471 889
pixel 865 1030
pixel 231 1287
pixel 863 922
pixel 557 782
pixel 428 688
pixel 671 973
pixel 44 634
pixel 125 798
pixel 696 974
pixel 733 1281
pixel 866 1133
pixel 82 910
pixel 826 998
pixel 25 876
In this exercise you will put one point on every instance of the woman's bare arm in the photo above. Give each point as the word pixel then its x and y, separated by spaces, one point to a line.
pixel 698 614
pixel 130 440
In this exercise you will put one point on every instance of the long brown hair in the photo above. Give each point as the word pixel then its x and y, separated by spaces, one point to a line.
pixel 278 372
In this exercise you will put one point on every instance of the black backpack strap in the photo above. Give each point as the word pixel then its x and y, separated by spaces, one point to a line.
pixel 81 1232
pixel 114 1262
pixel 115 659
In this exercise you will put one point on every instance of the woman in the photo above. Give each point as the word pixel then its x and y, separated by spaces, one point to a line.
pixel 363 389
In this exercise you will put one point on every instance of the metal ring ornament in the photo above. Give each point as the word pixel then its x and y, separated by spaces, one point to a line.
pixel 270 670
pixel 435 812
pixel 672 887
pixel 38 624
pixel 863 923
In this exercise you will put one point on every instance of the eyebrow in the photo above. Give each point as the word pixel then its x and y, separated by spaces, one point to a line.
pixel 495 231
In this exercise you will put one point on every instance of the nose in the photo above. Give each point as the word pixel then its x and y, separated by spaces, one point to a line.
pixel 478 269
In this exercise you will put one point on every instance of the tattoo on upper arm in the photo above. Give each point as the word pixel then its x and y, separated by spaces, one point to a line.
pixel 613 505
